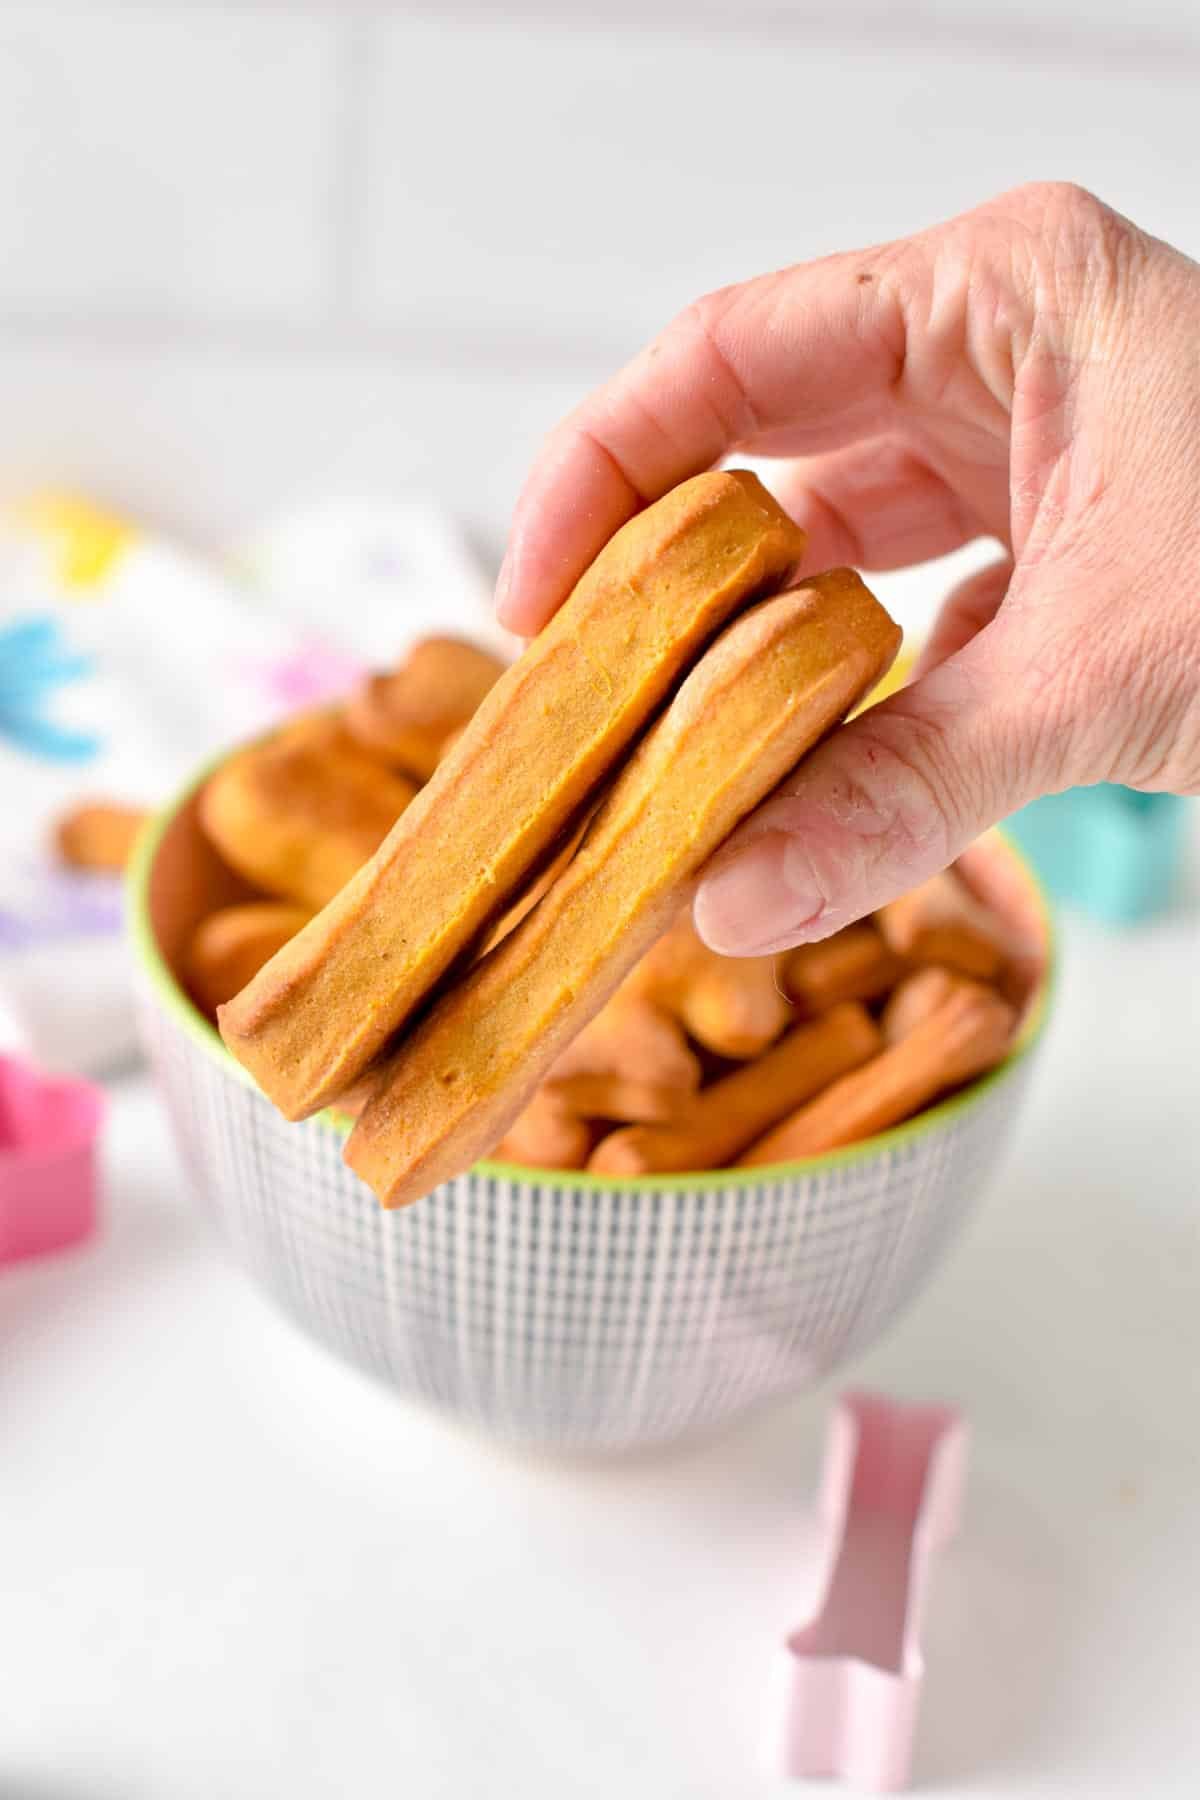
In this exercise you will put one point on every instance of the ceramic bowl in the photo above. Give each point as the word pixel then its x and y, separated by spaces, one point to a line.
pixel 568 1310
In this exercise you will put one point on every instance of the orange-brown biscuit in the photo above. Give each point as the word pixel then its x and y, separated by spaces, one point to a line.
pixel 855 964
pixel 722 1119
pixel 546 1135
pixel 98 835
pixel 532 891
pixel 730 1004
pixel 773 684
pixel 404 716
pixel 299 813
pixel 231 945
pixel 449 742
pixel 915 998
pixel 942 922
pixel 541 742
pixel 968 1033
pixel 631 1062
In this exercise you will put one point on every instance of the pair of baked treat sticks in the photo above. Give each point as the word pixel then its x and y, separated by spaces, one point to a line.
pixel 680 682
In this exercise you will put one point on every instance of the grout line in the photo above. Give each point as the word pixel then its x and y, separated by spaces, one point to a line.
pixel 439 342
pixel 1082 44
pixel 346 188
pixel 910 27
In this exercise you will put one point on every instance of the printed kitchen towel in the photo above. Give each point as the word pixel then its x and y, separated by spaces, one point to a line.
pixel 128 661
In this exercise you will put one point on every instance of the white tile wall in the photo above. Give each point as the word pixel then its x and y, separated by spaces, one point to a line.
pixel 601 184
pixel 264 248
pixel 208 437
pixel 170 163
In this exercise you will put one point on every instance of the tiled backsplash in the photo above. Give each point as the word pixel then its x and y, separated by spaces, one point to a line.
pixel 253 251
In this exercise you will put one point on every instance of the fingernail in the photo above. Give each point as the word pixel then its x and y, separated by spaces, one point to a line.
pixel 764 899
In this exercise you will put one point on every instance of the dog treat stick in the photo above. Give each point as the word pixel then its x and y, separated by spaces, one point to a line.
pixel 529 896
pixel 98 835
pixel 546 1135
pixel 771 686
pixel 942 922
pixel 854 965
pixel 733 1112
pixel 299 814
pixel 730 1004
pixel 631 1062
pixel 405 716
pixel 967 1034
pixel 916 998
pixel 231 945
pixel 542 741
pixel 450 740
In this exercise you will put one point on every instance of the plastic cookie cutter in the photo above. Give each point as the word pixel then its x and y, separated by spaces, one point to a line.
pixel 1112 851
pixel 846 1688
pixel 48 1177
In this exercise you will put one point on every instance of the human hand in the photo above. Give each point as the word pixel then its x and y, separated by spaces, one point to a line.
pixel 1029 372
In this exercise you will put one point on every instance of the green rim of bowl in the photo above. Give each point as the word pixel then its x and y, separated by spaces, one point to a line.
pixel 176 1003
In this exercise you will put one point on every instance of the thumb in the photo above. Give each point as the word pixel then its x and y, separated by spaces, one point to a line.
pixel 885 803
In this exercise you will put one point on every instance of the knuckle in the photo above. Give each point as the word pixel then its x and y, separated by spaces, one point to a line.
pixel 1058 199
pixel 1087 256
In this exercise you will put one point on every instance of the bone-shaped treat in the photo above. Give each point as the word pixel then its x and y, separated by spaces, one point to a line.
pixel 942 922
pixel 300 813
pixel 231 945
pixel 405 715
pixel 916 999
pixel 723 1118
pixel 98 835
pixel 968 1033
pixel 856 964
pixel 730 1004
pixel 631 1062
pixel 546 1135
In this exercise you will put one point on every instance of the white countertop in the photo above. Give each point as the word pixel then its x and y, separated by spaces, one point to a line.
pixel 232 1567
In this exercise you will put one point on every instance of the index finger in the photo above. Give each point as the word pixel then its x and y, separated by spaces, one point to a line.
pixel 817 350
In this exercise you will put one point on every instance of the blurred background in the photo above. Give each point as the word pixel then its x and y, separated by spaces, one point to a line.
pixel 271 273
pixel 255 253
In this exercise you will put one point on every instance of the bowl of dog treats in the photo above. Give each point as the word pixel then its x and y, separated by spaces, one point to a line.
pixel 460 1083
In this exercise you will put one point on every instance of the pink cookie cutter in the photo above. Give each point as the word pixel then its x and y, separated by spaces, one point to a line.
pixel 846 1688
pixel 48 1178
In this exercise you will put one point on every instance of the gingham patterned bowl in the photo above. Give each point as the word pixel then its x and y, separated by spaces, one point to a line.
pixel 566 1310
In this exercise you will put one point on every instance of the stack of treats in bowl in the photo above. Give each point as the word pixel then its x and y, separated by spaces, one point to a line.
pixel 450 922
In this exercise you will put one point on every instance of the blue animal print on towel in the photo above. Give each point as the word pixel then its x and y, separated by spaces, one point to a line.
pixel 34 663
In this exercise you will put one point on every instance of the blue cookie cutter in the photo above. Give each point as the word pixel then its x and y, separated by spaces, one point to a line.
pixel 1111 851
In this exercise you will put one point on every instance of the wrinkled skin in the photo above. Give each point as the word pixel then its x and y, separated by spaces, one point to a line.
pixel 1028 372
